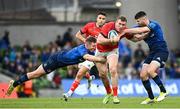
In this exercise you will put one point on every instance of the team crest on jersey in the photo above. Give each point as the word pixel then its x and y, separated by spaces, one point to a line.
pixel 49 70
pixel 152 35
pixel 80 59
pixel 45 64
pixel 158 58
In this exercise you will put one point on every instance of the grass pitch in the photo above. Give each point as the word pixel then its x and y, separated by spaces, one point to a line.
pixel 47 103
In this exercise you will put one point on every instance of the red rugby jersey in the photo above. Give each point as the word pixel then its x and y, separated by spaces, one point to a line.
pixel 90 29
pixel 104 31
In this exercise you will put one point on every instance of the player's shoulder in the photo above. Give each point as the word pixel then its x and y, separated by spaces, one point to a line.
pixel 111 23
pixel 154 22
pixel 81 47
pixel 154 25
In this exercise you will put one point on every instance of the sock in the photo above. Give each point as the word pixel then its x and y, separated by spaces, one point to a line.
pixel 74 85
pixel 115 91
pixel 147 86
pixel 158 81
pixel 87 76
pixel 21 80
pixel 108 89
pixel 70 92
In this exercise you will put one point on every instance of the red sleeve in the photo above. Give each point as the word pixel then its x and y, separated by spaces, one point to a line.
pixel 106 28
pixel 84 29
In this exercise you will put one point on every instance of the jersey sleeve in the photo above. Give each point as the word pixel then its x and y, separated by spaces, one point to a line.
pixel 84 29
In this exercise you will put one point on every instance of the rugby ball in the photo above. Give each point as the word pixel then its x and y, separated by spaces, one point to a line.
pixel 112 34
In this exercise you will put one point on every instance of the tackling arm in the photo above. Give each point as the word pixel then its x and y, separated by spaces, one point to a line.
pixel 137 30
pixel 94 58
pixel 139 37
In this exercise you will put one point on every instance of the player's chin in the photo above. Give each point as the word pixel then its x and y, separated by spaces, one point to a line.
pixel 101 24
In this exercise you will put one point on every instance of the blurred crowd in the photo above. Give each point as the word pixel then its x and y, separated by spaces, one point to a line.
pixel 22 59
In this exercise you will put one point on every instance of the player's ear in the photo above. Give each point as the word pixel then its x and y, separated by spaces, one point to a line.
pixel 86 44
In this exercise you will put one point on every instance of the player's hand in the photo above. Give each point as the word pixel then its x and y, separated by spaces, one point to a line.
pixel 138 36
pixel 102 59
pixel 141 36
pixel 121 34
pixel 115 40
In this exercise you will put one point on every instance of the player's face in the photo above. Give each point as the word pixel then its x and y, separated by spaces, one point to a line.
pixel 91 46
pixel 101 19
pixel 120 25
pixel 141 21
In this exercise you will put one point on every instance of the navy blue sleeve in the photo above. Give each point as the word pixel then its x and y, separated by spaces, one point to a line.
pixel 135 26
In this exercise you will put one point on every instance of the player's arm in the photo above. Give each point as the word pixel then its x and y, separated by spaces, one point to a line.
pixel 94 58
pixel 105 41
pixel 80 36
pixel 139 37
pixel 137 30
pixel 134 39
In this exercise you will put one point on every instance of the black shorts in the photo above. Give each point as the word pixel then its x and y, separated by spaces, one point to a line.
pixel 52 63
pixel 159 56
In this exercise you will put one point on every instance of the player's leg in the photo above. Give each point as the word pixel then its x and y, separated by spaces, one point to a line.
pixel 146 83
pixel 153 66
pixel 103 74
pixel 88 65
pixel 50 65
pixel 84 68
pixel 30 75
pixel 82 71
pixel 157 62
pixel 102 69
pixel 112 60
pixel 89 78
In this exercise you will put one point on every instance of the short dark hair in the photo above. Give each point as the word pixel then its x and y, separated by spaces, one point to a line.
pixel 122 18
pixel 140 14
pixel 102 13
pixel 91 39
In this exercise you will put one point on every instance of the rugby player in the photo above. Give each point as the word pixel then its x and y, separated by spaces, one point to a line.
pixel 90 29
pixel 61 59
pixel 151 32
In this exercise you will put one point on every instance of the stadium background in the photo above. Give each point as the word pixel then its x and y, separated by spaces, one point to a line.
pixel 30 30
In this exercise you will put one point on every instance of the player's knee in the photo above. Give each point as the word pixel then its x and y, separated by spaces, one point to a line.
pixel 150 71
pixel 79 75
pixel 113 71
pixel 33 75
pixel 143 75
pixel 102 75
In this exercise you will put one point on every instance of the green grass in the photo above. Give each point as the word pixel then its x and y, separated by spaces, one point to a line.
pixel 170 102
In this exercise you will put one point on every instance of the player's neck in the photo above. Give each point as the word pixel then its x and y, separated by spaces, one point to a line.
pixel 97 25
pixel 148 21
